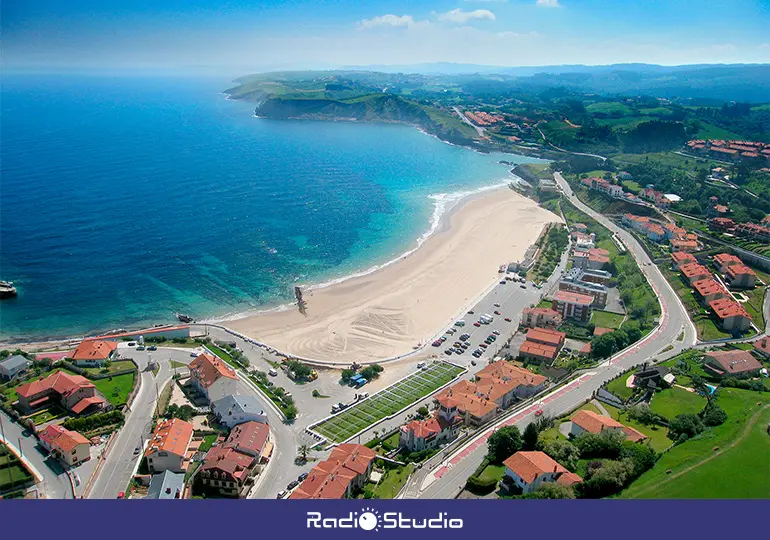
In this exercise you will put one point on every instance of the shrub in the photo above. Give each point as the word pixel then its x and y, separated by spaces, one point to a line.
pixel 713 415
pixel 480 486
pixel 564 452
pixel 94 421
pixel 602 445
pixel 371 372
pixel 685 424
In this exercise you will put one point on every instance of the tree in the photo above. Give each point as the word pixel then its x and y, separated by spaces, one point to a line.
pixel 550 490
pixel 346 375
pixel 301 371
pixel 371 372
pixel 564 452
pixel 600 445
pixel 607 479
pixel 303 450
pixel 641 456
pixel 685 424
pixel 530 436
pixel 503 443
pixel 422 412
pixel 713 414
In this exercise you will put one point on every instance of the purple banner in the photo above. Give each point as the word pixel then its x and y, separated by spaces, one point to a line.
pixel 476 519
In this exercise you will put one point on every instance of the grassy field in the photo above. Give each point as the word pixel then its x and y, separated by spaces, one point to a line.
pixel 728 461
pixel 392 482
pixel 609 107
pixel 120 365
pixel 657 435
pixel 492 472
pixel 605 319
pixel 618 387
pixel 674 401
pixel 386 402
pixel 116 389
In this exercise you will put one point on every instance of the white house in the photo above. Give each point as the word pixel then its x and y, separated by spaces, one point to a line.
pixel 12 366
pixel 212 377
pixel 167 450
pixel 530 470
pixel 69 446
pixel 234 410
pixel 94 353
pixel 425 434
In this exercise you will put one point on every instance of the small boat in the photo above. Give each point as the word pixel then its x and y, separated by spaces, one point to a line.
pixel 184 318
pixel 7 290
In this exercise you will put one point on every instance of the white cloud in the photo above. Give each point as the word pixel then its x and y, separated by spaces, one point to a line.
pixel 548 3
pixel 461 17
pixel 405 21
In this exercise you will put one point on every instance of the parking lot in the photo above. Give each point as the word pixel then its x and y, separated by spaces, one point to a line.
pixel 388 401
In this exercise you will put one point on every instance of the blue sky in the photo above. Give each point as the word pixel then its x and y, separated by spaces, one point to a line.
pixel 246 35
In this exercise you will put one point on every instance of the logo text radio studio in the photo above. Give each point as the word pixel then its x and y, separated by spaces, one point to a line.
pixel 370 520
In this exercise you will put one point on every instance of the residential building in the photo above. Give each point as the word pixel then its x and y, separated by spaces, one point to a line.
pixel 614 190
pixel 740 276
pixel 580 227
pixel 229 468
pixel 528 471
pixel 233 410
pixel 753 231
pixel 573 282
pixel 724 260
pixel 721 224
pixel 634 221
pixel 166 485
pixel 339 477
pixel 625 175
pixel 13 366
pixel 572 305
pixel 498 385
pixel 69 446
pixel 680 258
pixel 709 290
pixel 211 376
pixel 541 318
pixel 593 258
pixel 654 232
pixel 441 427
pixel 678 245
pixel 732 316
pixel 732 364
pixel 694 272
pixel 542 345
pixel 591 422
pixel 72 392
pixel 762 347
pixel 653 377
pixel 169 446
pixel 602 277
pixel 94 353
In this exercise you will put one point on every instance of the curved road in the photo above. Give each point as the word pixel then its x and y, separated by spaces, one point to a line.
pixel 445 477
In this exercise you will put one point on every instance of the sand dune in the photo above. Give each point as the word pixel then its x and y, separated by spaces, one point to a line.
pixel 386 313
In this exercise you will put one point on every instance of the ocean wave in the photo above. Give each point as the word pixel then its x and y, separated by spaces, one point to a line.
pixel 443 203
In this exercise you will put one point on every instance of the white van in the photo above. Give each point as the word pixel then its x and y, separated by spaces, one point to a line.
pixel 272 372
pixel 421 365
pixel 460 323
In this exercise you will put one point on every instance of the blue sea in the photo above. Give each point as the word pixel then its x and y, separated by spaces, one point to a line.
pixel 126 199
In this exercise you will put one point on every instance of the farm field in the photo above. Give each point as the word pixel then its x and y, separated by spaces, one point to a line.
pixel 387 401
pixel 726 461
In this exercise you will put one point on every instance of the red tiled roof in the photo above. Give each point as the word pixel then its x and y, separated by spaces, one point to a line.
pixel 633 435
pixel 735 362
pixel 722 259
pixel 546 336
pixel 693 270
pixel 573 298
pixel 94 350
pixel 250 436
pixel 681 256
pixel 66 441
pixel 727 307
pixel 593 422
pixel 529 465
pixel 706 287
pixel 330 479
pixel 208 369
pixel 172 436
pixel 739 270
pixel 538 349
pixel 84 403
pixel 60 382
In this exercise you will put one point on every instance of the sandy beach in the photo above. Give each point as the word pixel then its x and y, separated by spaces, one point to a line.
pixel 386 313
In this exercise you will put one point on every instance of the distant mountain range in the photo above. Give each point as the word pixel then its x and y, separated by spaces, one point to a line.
pixel 724 82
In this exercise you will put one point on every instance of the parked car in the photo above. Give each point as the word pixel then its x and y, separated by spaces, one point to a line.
pixel 137 450
pixel 495 332
pixel 152 348
pixel 503 282
pixel 140 348
pixel 448 352
pixel 132 343
pixel 497 312
pixel 281 495
pixel 477 324
pixel 507 319
pixel 273 372
pixel 483 345
pixel 470 312
pixel 523 286
pixel 302 476
pixel 436 343
pixel 473 362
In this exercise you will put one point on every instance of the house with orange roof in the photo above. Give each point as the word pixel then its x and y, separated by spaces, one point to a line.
pixel 654 232
pixel 168 448
pixel 753 231
pixel 732 316
pixel 229 468
pixel 541 318
pixel 685 245
pixel 693 272
pixel 681 257
pixel 723 260
pixel 441 427
pixel 591 422
pixel 740 276
pixel 339 477
pixel 542 345
pixel 94 353
pixel 722 224
pixel 72 392
pixel 572 305
pixel 528 471
pixel 212 377
pixel 709 289
pixel 69 446
pixel 495 387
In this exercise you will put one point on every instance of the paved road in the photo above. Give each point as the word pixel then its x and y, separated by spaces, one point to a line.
pixel 480 130
pixel 116 471
pixel 446 478
pixel 55 484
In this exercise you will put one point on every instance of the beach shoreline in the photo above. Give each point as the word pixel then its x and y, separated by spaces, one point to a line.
pixel 389 311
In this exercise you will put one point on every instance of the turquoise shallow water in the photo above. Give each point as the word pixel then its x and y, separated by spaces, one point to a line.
pixel 123 200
